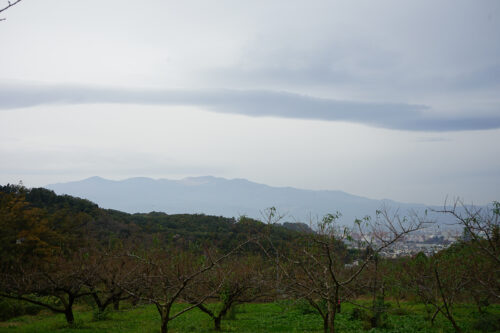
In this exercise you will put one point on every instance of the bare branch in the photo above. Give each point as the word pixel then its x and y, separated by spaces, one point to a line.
pixel 10 4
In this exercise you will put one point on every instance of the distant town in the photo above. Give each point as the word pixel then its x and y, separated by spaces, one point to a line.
pixel 425 241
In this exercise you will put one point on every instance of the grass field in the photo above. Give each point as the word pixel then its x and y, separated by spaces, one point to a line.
pixel 267 317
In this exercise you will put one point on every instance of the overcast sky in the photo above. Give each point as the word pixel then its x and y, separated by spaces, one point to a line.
pixel 383 99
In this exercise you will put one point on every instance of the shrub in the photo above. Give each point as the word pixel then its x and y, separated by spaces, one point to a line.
pixel 13 308
pixel 379 317
pixel 100 315
pixel 371 319
pixel 380 320
pixel 399 311
pixel 303 307
pixel 487 322
pixel 359 314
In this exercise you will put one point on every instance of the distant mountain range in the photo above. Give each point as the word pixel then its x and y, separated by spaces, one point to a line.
pixel 226 197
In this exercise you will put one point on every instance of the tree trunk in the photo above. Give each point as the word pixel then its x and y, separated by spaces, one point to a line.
pixel 165 316
pixel 164 326
pixel 375 280
pixel 453 322
pixel 97 301
pixel 217 321
pixel 447 308
pixel 332 311
pixel 116 304
pixel 325 323
pixel 434 316
pixel 68 309
pixel 101 306
pixel 68 313
pixel 332 322
pixel 397 301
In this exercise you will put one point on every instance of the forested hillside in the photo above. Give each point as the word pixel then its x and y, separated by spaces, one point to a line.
pixel 41 218
pixel 59 251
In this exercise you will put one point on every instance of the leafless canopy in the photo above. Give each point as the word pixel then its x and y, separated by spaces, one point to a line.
pixel 481 224
pixel 316 269
pixel 9 4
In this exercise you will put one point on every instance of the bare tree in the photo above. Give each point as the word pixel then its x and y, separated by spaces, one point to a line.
pixel 62 280
pixel 236 281
pixel 395 279
pixel 9 4
pixel 481 234
pixel 320 271
pixel 164 276
pixel 439 281
pixel 106 273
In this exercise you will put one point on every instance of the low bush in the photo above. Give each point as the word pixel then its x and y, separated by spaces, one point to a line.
pixel 303 307
pixel 379 317
pixel 399 311
pixel 100 315
pixel 487 322
pixel 371 319
pixel 13 308
pixel 359 314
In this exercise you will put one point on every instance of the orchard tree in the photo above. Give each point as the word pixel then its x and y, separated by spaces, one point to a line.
pixel 165 276
pixel 440 280
pixel 395 279
pixel 108 272
pixel 481 234
pixel 322 270
pixel 481 225
pixel 238 280
pixel 55 284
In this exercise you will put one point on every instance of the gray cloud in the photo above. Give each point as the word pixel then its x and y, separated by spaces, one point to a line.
pixel 487 77
pixel 254 103
pixel 432 139
pixel 430 56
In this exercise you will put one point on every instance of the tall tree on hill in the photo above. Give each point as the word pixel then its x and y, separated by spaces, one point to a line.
pixel 27 234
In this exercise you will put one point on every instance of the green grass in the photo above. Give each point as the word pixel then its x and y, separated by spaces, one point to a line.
pixel 267 317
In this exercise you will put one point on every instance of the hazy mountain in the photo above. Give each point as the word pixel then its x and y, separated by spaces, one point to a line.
pixel 226 197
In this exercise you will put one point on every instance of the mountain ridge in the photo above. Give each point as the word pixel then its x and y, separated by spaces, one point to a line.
pixel 224 197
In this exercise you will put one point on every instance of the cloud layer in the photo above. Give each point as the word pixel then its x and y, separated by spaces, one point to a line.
pixel 254 103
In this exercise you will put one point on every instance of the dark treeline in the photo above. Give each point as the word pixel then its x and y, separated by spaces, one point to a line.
pixel 57 250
